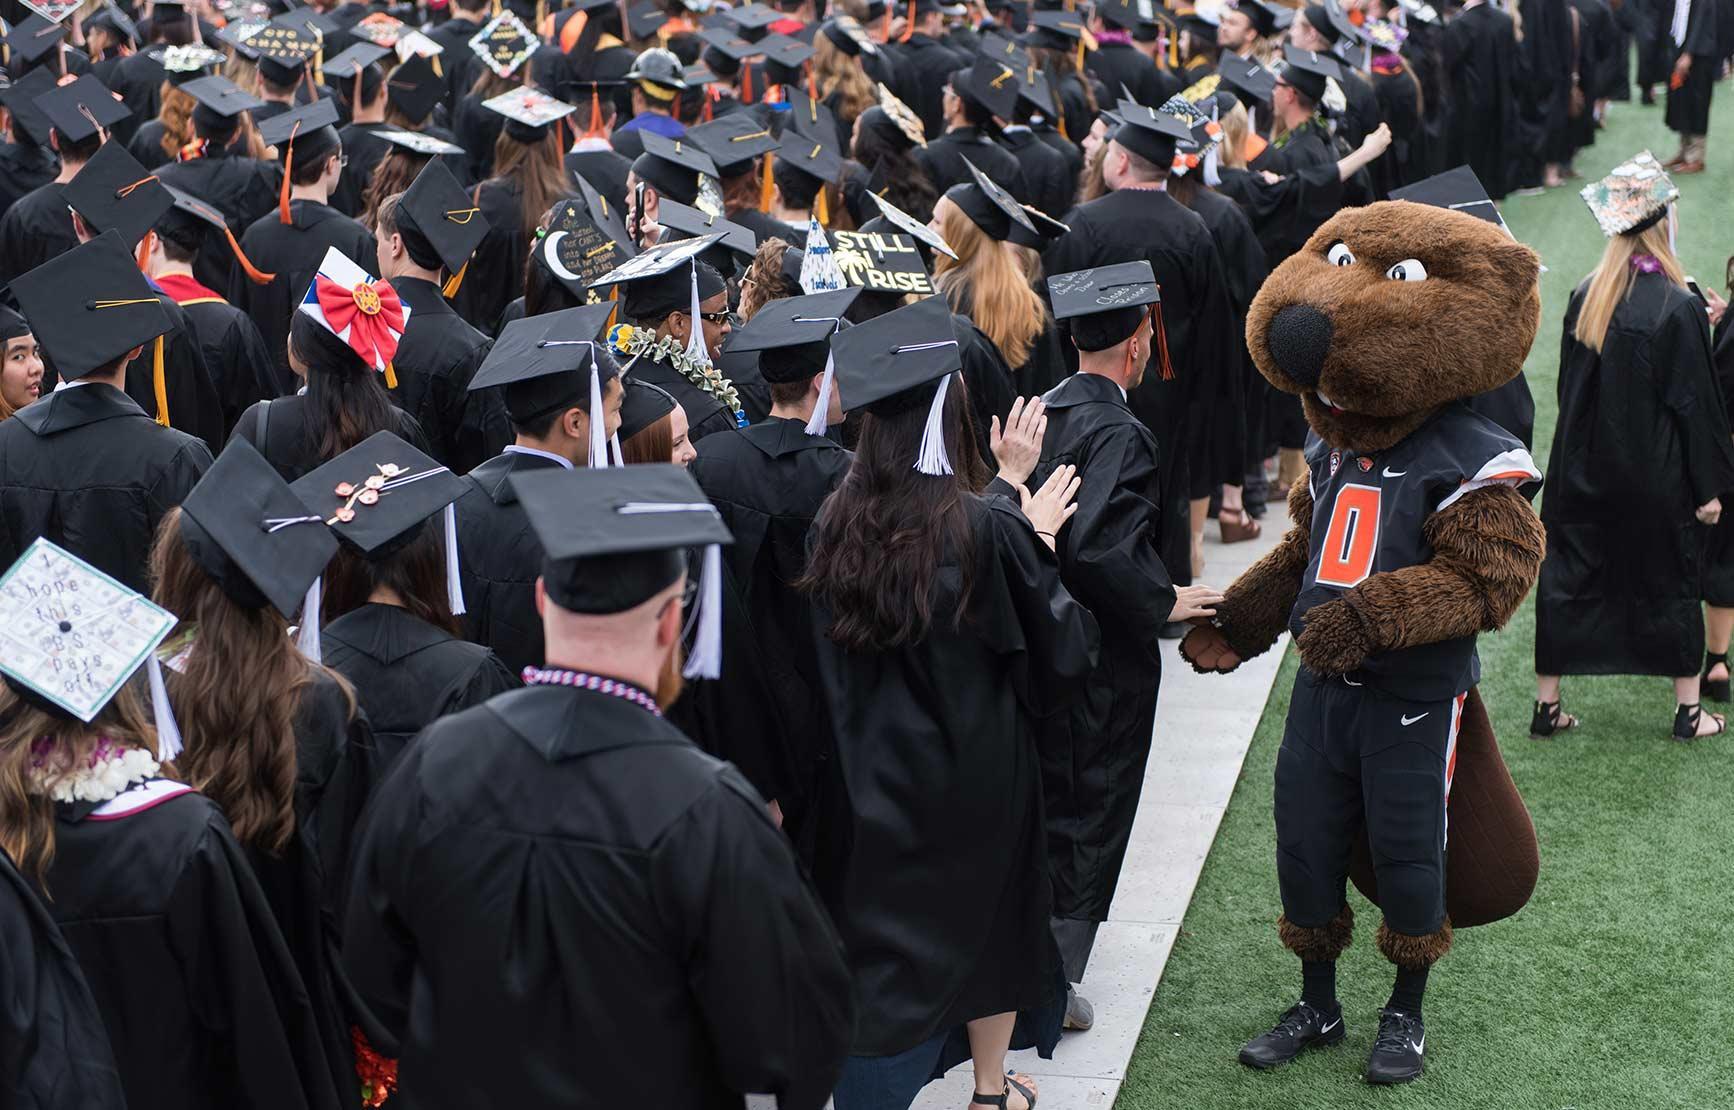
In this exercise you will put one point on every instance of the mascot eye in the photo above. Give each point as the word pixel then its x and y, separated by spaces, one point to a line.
pixel 1340 255
pixel 1410 269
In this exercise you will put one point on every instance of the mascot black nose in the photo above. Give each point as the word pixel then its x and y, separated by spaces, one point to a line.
pixel 1299 339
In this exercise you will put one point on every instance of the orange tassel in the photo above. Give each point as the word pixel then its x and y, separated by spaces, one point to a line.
pixel 908 24
pixel 766 185
pixel 254 274
pixel 144 252
pixel 885 24
pixel 1166 367
pixel 283 216
pixel 159 383
pixel 595 129
pixel 746 82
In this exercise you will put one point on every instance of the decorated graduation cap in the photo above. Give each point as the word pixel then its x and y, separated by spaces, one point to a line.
pixel 1192 154
pixel 575 249
pixel 307 132
pixel 912 227
pixel 376 496
pixel 81 109
pixel 359 309
pixel 90 305
pixel 792 336
pixel 35 36
pixel 846 34
pixel 733 141
pixel 1457 189
pixel 901 124
pixel 75 636
pixel 613 539
pixel 679 169
pixel 188 221
pixel 897 361
pixel 609 218
pixel 182 64
pixel 881 262
pixel 417 142
pixel 1309 73
pixel 988 206
pixel 219 104
pixel 1104 306
pixel 284 48
pixel 656 282
pixel 991 84
pixel 553 361
pixel 1633 197
pixel 1042 233
pixel 440 223
pixel 28 119
pixel 237 34
pixel 529 112
pixel 504 43
pixel 1150 133
pixel 415 88
pixel 1251 81
pixel 113 190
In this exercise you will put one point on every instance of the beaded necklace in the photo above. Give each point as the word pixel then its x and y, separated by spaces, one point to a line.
pixel 613 687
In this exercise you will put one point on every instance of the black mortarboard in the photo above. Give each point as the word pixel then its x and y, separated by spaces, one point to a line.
pixel 1267 19
pixel 20 99
pixel 733 141
pixel 913 227
pixel 808 116
pixel 642 405
pixel 614 538
pixel 79 109
pixel 609 218
pixel 881 262
pixel 1055 30
pixel 784 57
pixel 111 15
pixel 35 36
pixel 811 156
pixel 797 329
pixel 220 100
pixel 302 124
pixel 415 88
pixel 436 214
pixel 551 361
pixel 988 206
pixel 992 84
pixel 90 305
pixel 355 59
pixel 1119 13
pixel 1252 81
pixel 576 249
pixel 1330 20
pixel 418 142
pixel 1458 189
pixel 847 35
pixel 376 494
pixel 753 18
pixel 1034 86
pixel 283 48
pixel 248 530
pixel 1043 231
pixel 1003 49
pixel 890 364
pixel 1150 133
pixel 644 17
pixel 673 167
pixel 1104 305
pixel 113 190
pixel 1307 72
pixel 728 40
pixel 689 221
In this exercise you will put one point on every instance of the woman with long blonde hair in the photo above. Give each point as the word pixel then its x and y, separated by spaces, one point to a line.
pixel 842 82
pixel 529 178
pixel 987 283
pixel 1641 460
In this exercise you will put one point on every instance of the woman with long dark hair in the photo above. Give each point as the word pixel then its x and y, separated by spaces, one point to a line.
pixel 884 142
pixel 943 635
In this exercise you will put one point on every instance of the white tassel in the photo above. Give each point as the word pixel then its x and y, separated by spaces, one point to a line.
pixel 706 658
pixel 1212 168
pixel 820 420
pixel 168 731
pixel 598 424
pixel 695 346
pixel 614 450
pixel 932 459
pixel 454 586
pixel 308 638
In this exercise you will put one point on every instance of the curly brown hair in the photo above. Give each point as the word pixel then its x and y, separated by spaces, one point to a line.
pixel 764 281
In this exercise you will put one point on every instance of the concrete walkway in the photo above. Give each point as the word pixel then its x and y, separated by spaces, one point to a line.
pixel 1204 725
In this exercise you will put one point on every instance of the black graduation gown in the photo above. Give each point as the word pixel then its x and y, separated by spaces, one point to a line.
pixel 1689 105
pixel 939 885
pixel 407 673
pixel 1120 65
pixel 764 226
pixel 1040 371
pixel 1719 559
pixel 278 430
pixel 1049 186
pixel 204 1006
pixel 139 81
pixel 458 60
pixel 1544 100
pixel 195 407
pixel 767 715
pixel 36 228
pixel 496 271
pixel 477 129
pixel 293 253
pixel 1481 63
pixel 499 560
pixel 1642 440
pixel 1286 213
pixel 1219 457
pixel 989 381
pixel 243 189
pixel 1074 153
pixel 85 467
pixel 943 157
pixel 1074 105
pixel 559 884
pixel 234 354
pixel 705 415
pixel 924 66
pixel 1361 116
pixel 439 355
pixel 1128 225
pixel 54 1048
pixel 1399 97
pixel 23 167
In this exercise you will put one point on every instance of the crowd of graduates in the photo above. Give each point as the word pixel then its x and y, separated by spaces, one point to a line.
pixel 620 553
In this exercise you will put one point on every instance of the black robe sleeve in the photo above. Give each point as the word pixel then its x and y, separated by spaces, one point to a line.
pixel 1109 547
pixel 1052 637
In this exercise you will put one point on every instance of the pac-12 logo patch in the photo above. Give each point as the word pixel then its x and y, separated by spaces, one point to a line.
pixel 1336 461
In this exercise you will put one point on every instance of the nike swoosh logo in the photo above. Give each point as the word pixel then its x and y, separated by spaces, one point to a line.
pixel 1331 1026
pixel 1389 473
pixel 1408 720
pixel 1418 1045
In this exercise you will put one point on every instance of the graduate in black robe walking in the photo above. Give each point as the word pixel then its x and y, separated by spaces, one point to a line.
pixel 548 876
pixel 1695 32
pixel 1638 396
pixel 968 101
pixel 1481 64
pixel 37 226
pixel 924 64
pixel 1547 65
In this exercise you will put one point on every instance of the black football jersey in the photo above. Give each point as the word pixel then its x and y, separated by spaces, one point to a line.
pixel 1368 512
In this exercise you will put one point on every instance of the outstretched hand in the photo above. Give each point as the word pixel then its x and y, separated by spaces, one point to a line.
pixel 1018 447
pixel 1051 506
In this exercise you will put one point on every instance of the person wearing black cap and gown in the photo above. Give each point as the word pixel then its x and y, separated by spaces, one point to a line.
pixel 138 77
pixel 1246 29
pixel 925 64
pixel 1049 178
pixel 1196 330
pixel 971 99
pixel 668 901
pixel 85 466
pixel 939 655
pixel 38 226
pixel 805 171
pixel 678 169
pixel 1057 40
pixel 292 241
pixel 737 143
pixel 202 1005
pixel 768 718
pixel 26 162
pixel 425 232
pixel 360 84
pixel 1118 64
pixel 1700 40
pixel 282 54
pixel 460 63
pixel 1325 29
pixel 1481 63
pixel 1544 92
pixel 543 367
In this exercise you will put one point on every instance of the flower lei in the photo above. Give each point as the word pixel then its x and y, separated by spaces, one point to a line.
pixel 109 771
pixel 636 343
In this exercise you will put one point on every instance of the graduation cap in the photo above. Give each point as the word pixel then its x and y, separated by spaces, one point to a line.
pixel 90 305
pixel 991 84
pixel 1267 18
pixel 1123 14
pixel 674 167
pixel 1150 133
pixel 1034 86
pixel 846 34
pixel 415 88
pixel 912 227
pixel 643 18
pixel 663 278
pixel 642 405
pixel 528 112
pixel 1251 81
pixel 811 156
pixel 70 657
pixel 1105 305
pixel 283 50
pixel 808 116
pixel 1059 30
pixel 784 57
pixel 733 141
pixel 112 16
pixel 379 28
pixel 988 206
pixel 307 132
pixel 576 249
pixel 1457 189
pixel 418 142
pixel 726 39
pixel 113 190
pixel 613 539
pixel 437 218
pixel 1309 73
pixel 181 61
pixel 35 36
pixel 504 43
pixel 901 116
pixel 799 330
pixel 353 305
pixel 881 262
pixel 690 222
pixel 1330 20
pixel 753 18
pixel 77 111
pixel 1634 196
pixel 237 35
pixel 220 100
pixel 186 222
pixel 354 60
pixel 20 99
pixel 248 530
pixel 1388 37
pixel 890 364
pixel 550 362
pixel 1043 231
pixel 1004 49
pixel 610 219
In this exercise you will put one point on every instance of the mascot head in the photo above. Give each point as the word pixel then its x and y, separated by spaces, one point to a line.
pixel 1391 311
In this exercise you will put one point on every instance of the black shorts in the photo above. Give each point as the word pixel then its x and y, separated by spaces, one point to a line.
pixel 1354 757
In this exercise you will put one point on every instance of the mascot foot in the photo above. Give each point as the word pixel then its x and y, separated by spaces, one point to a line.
pixel 1396 1056
pixel 1302 1026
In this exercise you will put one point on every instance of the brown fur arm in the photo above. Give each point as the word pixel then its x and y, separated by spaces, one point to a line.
pixel 1254 610
pixel 1487 551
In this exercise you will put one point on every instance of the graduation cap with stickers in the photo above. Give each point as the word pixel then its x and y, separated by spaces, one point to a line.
pixel 418 142
pixel 576 249
pixel 504 43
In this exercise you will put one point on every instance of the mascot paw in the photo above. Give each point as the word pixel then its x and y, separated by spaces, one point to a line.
pixel 1334 641
pixel 1206 648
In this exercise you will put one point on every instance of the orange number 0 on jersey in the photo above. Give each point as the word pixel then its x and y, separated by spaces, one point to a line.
pixel 1352 538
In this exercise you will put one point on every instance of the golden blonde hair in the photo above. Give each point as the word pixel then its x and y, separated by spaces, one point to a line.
pixel 1235 125
pixel 176 116
pixel 986 282
pixel 835 71
pixel 1613 276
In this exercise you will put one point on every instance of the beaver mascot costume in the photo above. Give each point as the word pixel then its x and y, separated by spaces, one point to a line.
pixel 1410 537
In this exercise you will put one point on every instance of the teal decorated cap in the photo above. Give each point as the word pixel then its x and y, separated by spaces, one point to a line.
pixel 1633 197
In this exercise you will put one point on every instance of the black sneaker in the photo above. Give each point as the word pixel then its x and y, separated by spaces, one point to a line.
pixel 1302 1026
pixel 1397 1049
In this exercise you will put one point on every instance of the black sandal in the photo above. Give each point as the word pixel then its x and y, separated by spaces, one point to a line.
pixel 1687 718
pixel 1549 719
pixel 1004 1096
pixel 1716 689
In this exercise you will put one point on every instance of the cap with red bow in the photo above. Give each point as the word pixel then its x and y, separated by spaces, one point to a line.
pixel 359 309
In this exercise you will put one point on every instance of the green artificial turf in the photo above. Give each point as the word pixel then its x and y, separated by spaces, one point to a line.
pixel 1614 987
